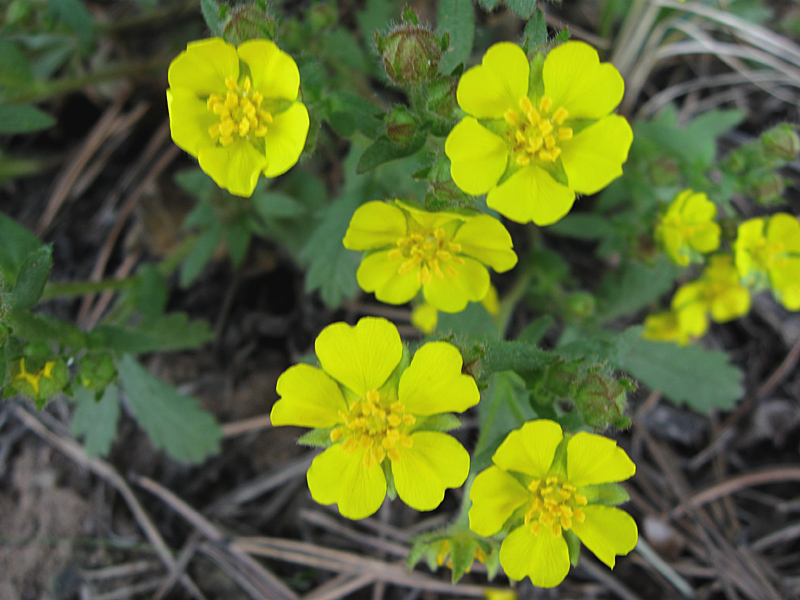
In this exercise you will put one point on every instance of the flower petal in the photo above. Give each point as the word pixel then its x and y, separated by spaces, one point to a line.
pixel 486 239
pixel 531 194
pixel 451 293
pixel 530 449
pixel 488 90
pixel 285 139
pixel 478 157
pixel 433 382
pixel 784 228
pixel 273 72
pixel 336 477
pixel 203 67
pixel 189 120
pixel 309 398
pixel 235 168
pixel 495 496
pixel 607 532
pixel 360 357
pixel 378 273
pixel 592 458
pixel 575 78
pixel 594 157
pixel 436 461
pixel 375 225
pixel 544 557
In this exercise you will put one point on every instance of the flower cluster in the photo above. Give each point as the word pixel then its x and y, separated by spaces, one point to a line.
pixel 717 293
pixel 533 139
pixel 545 487
pixel 687 229
pixel 376 408
pixel 768 256
pixel 237 110
pixel 443 253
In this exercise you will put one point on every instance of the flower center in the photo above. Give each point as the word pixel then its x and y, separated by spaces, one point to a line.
pixel 239 113
pixel 431 251
pixel 375 426
pixel 535 134
pixel 555 505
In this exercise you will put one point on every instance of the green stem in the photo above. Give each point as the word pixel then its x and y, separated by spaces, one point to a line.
pixel 70 289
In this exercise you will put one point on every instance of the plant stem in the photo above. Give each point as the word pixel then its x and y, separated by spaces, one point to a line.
pixel 70 289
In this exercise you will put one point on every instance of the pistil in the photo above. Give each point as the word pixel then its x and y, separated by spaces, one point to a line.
pixel 431 251
pixel 240 113
pixel 535 134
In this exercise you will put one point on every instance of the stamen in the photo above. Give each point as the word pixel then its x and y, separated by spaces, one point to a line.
pixel 239 113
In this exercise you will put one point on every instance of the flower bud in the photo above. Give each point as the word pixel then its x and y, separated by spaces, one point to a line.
pixel 96 371
pixel 602 399
pixel 665 172
pixel 767 189
pixel 411 52
pixel 442 103
pixel 401 125
pixel 781 143
pixel 249 23
pixel 580 305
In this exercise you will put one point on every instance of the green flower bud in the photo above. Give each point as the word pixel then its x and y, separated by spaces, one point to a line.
pixel 665 172
pixel 767 189
pixel 249 23
pixel 602 399
pixel 401 125
pixel 411 52
pixel 781 143
pixel 96 371
pixel 442 103
pixel 580 305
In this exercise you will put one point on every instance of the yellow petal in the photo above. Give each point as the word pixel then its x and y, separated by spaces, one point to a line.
pixel 731 304
pixel 309 398
pixel 531 195
pixel 575 79
pixel 495 495
pixel 692 320
pixel 497 84
pixel 235 168
pixel 189 120
pixel 203 67
pixel 285 139
pixel 433 382
pixel 607 532
pixel 424 317
pixel 378 273
pixel 336 477
pixel 592 459
pixel 696 207
pixel 486 239
pixel 451 294
pixel 594 157
pixel 273 72
pixel 360 357
pixel 784 228
pixel 478 157
pixel 434 462
pixel 530 449
pixel 375 225
pixel 748 236
pixel 544 557
pixel 706 237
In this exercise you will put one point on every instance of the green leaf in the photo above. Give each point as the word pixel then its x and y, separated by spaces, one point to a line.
pixel 35 327
pixel 172 420
pixel 535 330
pixel 458 18
pixel 418 550
pixel 583 226
pixel 76 16
pixel 376 15
pixel 609 494
pixel 197 184
pixel 462 553
pixel 316 438
pixel 474 321
pixel 237 239
pixel 165 334
pixel 33 275
pixel 200 254
pixel 22 118
pixel 442 422
pixel 277 205
pixel 347 113
pixel 210 9
pixel 634 286
pixel 383 150
pixel 16 244
pixel 535 33
pixel 15 72
pixel 702 379
pixel 573 547
pixel 523 8
pixel 95 420
pixel 331 267
pixel 488 5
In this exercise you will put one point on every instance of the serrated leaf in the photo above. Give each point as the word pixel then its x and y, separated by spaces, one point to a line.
pixel 15 72
pixel 16 244
pixel 488 5
pixel 462 553
pixel 22 118
pixel 702 379
pixel 35 327
pixel 457 17
pixel 634 286
pixel 347 113
pixel 237 239
pixel 95 420
pixel 277 205
pixel 583 226
pixel 535 33
pixel 173 421
pixel 197 184
pixel 167 333
pixel 33 275
pixel 522 8
pixel 535 330
pixel 210 10
pixel 200 254
pixel 474 321
pixel 609 494
pixel 383 150
pixel 316 438
pixel 76 16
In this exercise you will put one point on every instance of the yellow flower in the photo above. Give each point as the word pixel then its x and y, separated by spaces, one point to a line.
pixel 768 255
pixel 237 110
pixel 543 486
pixel 425 317
pixel 33 379
pixel 377 417
pixel 444 253
pixel 531 144
pixel 687 229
